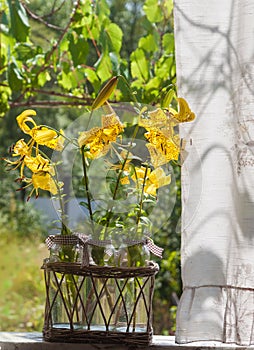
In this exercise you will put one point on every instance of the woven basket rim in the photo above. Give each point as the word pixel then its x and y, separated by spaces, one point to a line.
pixel 61 265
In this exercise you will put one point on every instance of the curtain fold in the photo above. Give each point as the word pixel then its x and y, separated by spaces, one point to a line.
pixel 215 73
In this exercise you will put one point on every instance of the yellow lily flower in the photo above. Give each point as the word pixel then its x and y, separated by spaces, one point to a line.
pixel 185 114
pixel 124 165
pixel 40 134
pixel 161 148
pixel 157 179
pixel 156 119
pixel 25 118
pixel 35 164
pixel 164 144
pixel 41 180
pixel 38 164
pixel 47 137
pixel 152 179
pixel 44 181
pixel 21 148
pixel 98 140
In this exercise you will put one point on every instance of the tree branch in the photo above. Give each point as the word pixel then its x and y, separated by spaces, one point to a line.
pixel 52 104
pixel 60 94
pixel 39 19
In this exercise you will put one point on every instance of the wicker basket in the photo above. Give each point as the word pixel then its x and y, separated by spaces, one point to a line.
pixel 98 304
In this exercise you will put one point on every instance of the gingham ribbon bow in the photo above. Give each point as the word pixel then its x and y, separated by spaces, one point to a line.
pixel 152 247
pixel 77 238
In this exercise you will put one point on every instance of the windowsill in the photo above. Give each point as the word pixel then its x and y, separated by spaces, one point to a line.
pixel 34 341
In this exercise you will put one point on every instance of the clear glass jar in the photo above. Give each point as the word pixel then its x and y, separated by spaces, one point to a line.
pixel 132 255
pixel 65 291
pixel 65 253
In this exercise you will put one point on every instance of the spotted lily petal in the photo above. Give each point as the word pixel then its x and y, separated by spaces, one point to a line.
pixel 161 148
pixel 98 140
pixel 21 148
pixel 39 164
pixel 44 181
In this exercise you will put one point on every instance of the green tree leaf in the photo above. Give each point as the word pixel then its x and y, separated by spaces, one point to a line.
pixel 139 65
pixel 79 48
pixel 114 35
pixel 19 21
pixel 153 10
pixel 43 77
pixel 93 78
pixel 104 67
pixel 65 80
pixel 15 78
pixel 168 43
pixel 149 43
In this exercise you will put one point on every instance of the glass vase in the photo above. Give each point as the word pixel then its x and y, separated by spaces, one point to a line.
pixel 122 304
pixel 65 291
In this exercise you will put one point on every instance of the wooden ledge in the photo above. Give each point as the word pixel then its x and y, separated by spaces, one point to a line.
pixel 34 341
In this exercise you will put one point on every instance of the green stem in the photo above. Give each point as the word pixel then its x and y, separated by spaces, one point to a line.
pixel 55 178
pixel 59 134
pixel 109 210
pixel 141 197
pixel 89 200
pixel 89 119
pixel 64 230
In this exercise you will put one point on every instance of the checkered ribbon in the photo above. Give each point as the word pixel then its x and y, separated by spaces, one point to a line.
pixel 61 240
pixel 84 241
pixel 78 238
pixel 152 247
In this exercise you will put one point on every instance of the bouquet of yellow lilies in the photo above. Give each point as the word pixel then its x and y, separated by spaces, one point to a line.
pixel 128 153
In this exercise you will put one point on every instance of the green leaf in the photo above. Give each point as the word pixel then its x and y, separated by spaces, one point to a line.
pixel 148 43
pixel 104 67
pixel 153 10
pixel 65 80
pixel 15 77
pixel 19 21
pixel 139 65
pixel 168 98
pixel 153 84
pixel 162 68
pixel 79 48
pixel 26 51
pixel 168 6
pixel 168 43
pixel 43 77
pixel 93 78
pixel 5 94
pixel 114 36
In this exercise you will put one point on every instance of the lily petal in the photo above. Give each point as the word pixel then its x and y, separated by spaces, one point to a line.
pixel 24 118
pixel 44 181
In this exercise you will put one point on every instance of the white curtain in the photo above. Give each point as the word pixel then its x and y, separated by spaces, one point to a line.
pixel 215 73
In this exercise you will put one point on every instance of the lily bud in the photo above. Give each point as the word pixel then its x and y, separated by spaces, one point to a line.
pixel 105 93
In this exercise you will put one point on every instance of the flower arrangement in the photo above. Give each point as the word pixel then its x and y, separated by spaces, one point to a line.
pixel 131 153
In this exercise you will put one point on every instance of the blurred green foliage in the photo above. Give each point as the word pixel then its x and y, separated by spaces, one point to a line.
pixel 22 283
pixel 56 55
